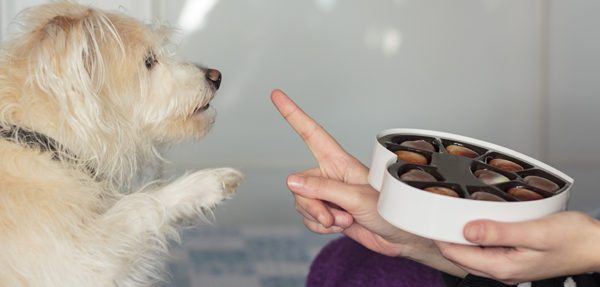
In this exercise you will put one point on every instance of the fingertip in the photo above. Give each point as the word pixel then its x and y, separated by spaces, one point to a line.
pixel 275 94
pixel 486 232
pixel 295 182
pixel 327 220
pixel 474 231
pixel 343 220
pixel 319 228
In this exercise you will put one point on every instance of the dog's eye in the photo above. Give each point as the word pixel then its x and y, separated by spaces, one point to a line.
pixel 150 60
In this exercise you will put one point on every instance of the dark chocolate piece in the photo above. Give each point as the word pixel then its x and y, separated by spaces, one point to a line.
pixel 504 164
pixel 417 175
pixel 541 183
pixel 418 144
pixel 411 157
pixel 442 191
pixel 524 194
pixel 461 151
pixel 490 177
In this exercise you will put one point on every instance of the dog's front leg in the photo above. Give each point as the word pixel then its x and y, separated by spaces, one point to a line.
pixel 192 195
pixel 140 224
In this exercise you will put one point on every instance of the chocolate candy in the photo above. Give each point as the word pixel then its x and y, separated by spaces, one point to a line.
pixel 461 151
pixel 418 144
pixel 486 196
pixel 541 183
pixel 442 191
pixel 490 177
pixel 505 164
pixel 417 175
pixel 412 157
pixel 524 194
pixel 461 169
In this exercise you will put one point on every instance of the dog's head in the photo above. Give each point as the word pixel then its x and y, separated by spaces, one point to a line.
pixel 104 67
pixel 101 84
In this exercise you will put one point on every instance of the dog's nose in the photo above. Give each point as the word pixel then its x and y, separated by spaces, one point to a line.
pixel 214 76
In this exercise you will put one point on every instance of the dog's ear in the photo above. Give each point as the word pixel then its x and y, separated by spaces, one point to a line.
pixel 68 61
pixel 63 22
pixel 70 36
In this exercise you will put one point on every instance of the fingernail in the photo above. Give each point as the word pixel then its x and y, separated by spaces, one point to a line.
pixel 295 181
pixel 474 232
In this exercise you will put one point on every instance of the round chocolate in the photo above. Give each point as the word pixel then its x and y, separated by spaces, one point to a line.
pixel 481 173
pixel 442 191
pixel 411 157
pixel 541 183
pixel 524 194
pixel 486 196
pixel 461 151
pixel 490 177
pixel 417 175
pixel 504 164
pixel 418 144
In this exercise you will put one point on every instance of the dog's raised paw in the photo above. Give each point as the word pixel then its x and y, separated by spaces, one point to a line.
pixel 199 191
pixel 230 179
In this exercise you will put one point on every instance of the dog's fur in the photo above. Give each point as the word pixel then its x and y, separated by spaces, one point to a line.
pixel 100 86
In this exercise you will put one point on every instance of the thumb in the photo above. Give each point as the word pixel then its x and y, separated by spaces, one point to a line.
pixel 494 233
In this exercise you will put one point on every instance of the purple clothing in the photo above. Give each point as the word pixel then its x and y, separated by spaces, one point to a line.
pixel 343 262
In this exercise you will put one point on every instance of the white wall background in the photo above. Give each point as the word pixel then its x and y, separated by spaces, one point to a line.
pixel 518 73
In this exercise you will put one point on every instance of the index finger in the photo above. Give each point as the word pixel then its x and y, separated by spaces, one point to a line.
pixel 316 138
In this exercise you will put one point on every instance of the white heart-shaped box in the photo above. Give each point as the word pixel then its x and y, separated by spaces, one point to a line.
pixel 442 217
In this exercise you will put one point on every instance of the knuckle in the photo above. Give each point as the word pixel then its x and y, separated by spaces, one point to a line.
pixel 298 207
pixel 580 217
pixel 503 274
pixel 355 199
pixel 304 202
pixel 313 184
pixel 314 226
pixel 320 184
pixel 362 198
pixel 313 210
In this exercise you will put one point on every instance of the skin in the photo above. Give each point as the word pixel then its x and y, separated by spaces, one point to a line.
pixel 561 244
pixel 336 197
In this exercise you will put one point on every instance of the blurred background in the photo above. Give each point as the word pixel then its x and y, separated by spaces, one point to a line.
pixel 521 74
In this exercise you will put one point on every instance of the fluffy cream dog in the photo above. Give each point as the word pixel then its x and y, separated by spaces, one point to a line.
pixel 86 99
